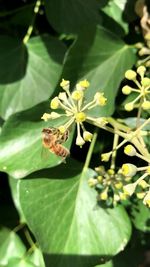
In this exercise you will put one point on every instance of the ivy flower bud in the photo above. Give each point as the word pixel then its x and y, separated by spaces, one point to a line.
pixel 145 82
pixel 100 99
pixel 143 184
pixel 62 96
pixel 129 189
pixel 140 195
pixel 82 85
pixel 126 90
pixel 54 103
pixel 104 194
pixel 141 70
pixel 99 178
pixel 92 182
pixel 129 169
pixel 65 84
pixel 139 45
pixel 54 115
pixel 77 95
pixel 46 116
pixel 146 200
pixel 123 196
pixel 111 172
pixel 146 105
pixel 130 75
pixel 116 197
pixel 118 185
pixel 80 116
pixel 130 150
pixel 101 121
pixel 80 141
pixel 105 156
pixel 129 106
pixel 87 136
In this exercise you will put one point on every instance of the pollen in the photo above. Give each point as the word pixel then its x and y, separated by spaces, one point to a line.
pixel 80 117
pixel 100 99
pixel 83 84
pixel 77 95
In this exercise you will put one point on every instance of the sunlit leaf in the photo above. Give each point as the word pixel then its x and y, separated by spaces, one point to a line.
pixel 102 58
pixel 28 74
pixel 70 228
pixel 10 246
pixel 21 148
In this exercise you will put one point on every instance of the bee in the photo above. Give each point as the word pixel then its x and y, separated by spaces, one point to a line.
pixel 53 139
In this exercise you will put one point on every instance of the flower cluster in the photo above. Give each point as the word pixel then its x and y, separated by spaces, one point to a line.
pixel 140 187
pixel 75 109
pixel 142 98
pixel 109 185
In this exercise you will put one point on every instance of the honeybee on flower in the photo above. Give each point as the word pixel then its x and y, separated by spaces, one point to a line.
pixel 75 109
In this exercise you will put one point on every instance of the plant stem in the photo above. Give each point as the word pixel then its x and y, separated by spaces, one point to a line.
pixel 113 157
pixel 28 237
pixel 90 151
pixel 30 29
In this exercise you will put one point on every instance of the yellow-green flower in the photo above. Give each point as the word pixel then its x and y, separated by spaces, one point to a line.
pixel 141 89
pixel 75 109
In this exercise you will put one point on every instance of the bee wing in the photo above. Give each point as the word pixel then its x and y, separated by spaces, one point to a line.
pixel 45 153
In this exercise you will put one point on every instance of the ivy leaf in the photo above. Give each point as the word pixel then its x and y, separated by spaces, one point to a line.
pixel 115 11
pixel 103 60
pixel 72 16
pixel 80 233
pixel 28 75
pixel 140 216
pixel 37 258
pixel 21 149
pixel 10 246
pixel 17 262
pixel 15 197
pixel 107 264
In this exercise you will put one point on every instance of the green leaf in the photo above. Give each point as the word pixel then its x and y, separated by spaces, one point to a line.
pixel 102 58
pixel 37 258
pixel 115 9
pixel 72 16
pixel 107 264
pixel 71 229
pixel 10 246
pixel 28 75
pixel 15 196
pixel 17 262
pixel 21 148
pixel 140 215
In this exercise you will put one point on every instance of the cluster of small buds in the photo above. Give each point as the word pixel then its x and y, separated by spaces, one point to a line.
pixel 143 89
pixel 109 185
pixel 140 187
pixel 144 51
pixel 76 110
